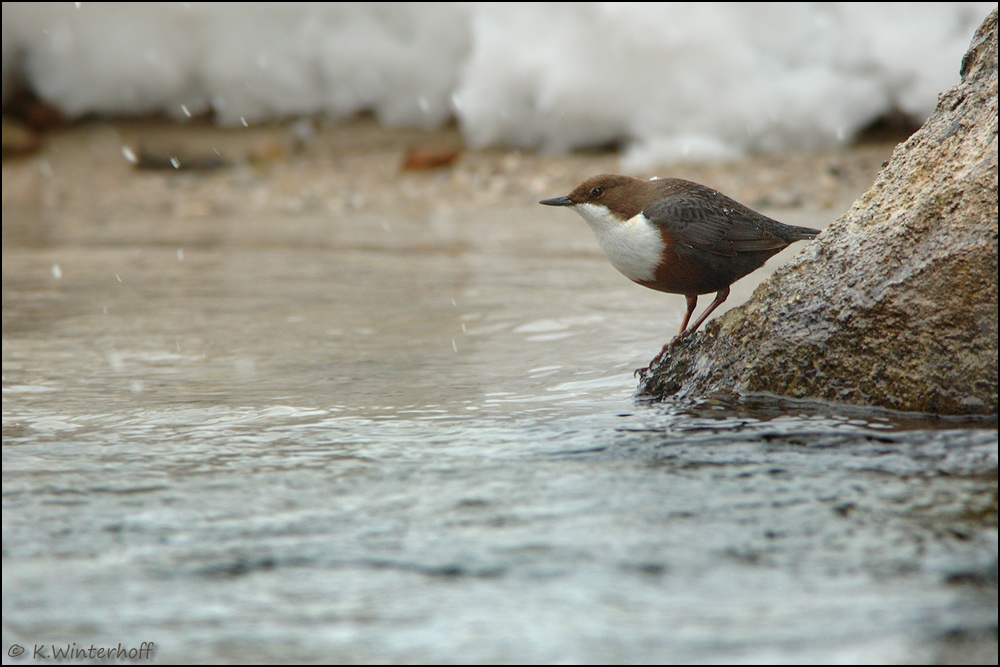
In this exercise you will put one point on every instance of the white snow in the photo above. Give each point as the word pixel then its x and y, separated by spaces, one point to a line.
pixel 673 82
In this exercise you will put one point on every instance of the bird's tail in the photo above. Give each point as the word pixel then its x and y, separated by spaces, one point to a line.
pixel 803 233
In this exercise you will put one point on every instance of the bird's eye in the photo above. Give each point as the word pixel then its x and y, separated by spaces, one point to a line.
pixel 596 192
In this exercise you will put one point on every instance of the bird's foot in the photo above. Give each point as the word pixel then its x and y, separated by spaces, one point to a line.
pixel 641 373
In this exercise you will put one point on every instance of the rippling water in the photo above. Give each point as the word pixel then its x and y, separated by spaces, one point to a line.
pixel 382 440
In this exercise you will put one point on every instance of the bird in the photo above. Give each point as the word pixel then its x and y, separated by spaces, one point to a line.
pixel 679 237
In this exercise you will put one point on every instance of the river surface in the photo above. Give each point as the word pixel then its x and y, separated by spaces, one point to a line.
pixel 361 438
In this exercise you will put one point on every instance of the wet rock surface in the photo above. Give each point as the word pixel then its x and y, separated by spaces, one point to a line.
pixel 895 305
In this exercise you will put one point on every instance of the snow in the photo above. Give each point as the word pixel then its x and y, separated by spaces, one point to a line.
pixel 686 81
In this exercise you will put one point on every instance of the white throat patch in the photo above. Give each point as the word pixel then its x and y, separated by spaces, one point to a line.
pixel 634 247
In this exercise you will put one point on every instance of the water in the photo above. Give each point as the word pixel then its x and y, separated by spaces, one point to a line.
pixel 373 439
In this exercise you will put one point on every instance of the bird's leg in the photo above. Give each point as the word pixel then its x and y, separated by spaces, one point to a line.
pixel 692 302
pixel 721 296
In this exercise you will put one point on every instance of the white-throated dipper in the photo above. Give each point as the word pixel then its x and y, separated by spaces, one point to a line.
pixel 677 236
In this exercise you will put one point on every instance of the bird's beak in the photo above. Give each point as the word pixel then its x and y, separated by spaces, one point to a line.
pixel 557 201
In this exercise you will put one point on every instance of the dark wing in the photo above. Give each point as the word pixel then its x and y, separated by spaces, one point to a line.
pixel 702 218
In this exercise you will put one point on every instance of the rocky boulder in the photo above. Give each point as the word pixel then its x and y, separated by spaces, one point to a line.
pixel 895 304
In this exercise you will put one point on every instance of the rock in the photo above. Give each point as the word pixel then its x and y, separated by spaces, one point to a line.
pixel 895 304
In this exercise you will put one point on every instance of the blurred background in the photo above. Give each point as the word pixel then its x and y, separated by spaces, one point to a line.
pixel 662 81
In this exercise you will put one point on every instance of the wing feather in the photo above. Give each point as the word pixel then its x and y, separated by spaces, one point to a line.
pixel 708 220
